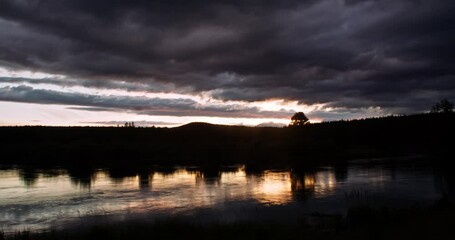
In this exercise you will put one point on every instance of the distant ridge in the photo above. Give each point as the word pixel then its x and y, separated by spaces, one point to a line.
pixel 201 125
pixel 204 125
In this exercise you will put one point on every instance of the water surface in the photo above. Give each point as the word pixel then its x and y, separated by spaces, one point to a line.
pixel 38 199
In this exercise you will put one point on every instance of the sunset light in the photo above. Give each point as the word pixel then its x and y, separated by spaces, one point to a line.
pixel 227 119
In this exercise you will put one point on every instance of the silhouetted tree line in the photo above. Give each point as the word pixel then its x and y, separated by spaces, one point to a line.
pixel 444 106
pixel 129 124
pixel 211 145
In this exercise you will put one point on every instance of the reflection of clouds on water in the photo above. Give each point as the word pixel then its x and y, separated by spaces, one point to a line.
pixel 65 195
pixel 376 177
pixel 312 183
pixel 275 188
pixel 324 183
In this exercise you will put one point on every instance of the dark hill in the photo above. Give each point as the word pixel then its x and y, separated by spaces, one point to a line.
pixel 196 125
pixel 202 143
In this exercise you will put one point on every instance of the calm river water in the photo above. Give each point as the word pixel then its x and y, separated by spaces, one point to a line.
pixel 38 199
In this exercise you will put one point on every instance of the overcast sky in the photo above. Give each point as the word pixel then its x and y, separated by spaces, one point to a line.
pixel 79 62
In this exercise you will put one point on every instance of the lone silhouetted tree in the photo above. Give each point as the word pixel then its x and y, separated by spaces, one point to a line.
pixel 443 106
pixel 299 119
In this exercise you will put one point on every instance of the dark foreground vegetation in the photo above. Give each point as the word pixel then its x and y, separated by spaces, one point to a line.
pixel 212 145
pixel 362 222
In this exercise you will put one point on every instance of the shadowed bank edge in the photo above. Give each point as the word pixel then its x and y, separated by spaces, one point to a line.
pixel 216 145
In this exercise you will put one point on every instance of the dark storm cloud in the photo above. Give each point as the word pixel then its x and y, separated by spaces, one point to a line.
pixel 134 104
pixel 28 94
pixel 394 54
pixel 99 84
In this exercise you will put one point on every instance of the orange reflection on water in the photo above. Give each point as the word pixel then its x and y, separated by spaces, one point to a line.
pixel 309 182
pixel 184 189
pixel 37 199
pixel 325 183
pixel 318 184
pixel 274 188
pixel 102 192
pixel 102 180
pixel 179 178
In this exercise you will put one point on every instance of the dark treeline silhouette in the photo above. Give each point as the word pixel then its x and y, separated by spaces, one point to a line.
pixel 444 106
pixel 213 145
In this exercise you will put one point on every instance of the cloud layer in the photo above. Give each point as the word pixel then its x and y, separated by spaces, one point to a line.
pixel 354 54
pixel 134 104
